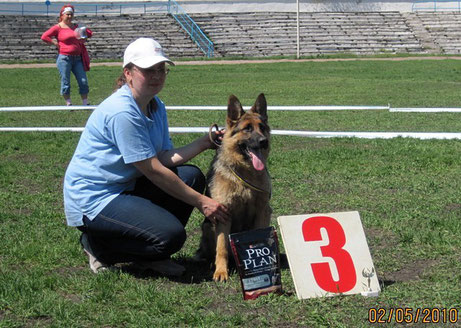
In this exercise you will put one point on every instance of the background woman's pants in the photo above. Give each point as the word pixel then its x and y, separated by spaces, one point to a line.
pixel 74 64
pixel 142 225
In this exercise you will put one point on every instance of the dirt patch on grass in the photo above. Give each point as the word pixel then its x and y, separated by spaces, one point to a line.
pixel 69 271
pixel 412 271
pixel 21 212
pixel 453 207
pixel 24 158
pixel 382 241
pixel 39 321
pixel 72 297
pixel 29 186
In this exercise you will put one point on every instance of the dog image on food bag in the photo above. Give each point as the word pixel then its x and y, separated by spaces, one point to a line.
pixel 238 178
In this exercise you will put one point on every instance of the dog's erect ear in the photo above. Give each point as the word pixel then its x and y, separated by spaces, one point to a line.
pixel 260 106
pixel 234 110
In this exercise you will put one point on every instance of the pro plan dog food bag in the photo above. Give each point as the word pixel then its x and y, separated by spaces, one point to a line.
pixel 257 257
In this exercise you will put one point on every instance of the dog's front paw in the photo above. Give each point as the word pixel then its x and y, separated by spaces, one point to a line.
pixel 220 275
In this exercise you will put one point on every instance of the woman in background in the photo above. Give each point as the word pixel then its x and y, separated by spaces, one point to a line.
pixel 69 42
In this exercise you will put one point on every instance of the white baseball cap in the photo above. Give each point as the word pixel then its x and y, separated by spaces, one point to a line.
pixel 145 53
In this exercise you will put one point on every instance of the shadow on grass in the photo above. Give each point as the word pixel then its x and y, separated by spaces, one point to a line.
pixel 196 271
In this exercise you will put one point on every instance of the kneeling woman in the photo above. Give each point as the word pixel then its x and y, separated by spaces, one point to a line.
pixel 126 188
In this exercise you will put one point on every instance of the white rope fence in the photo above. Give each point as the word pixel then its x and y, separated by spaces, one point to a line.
pixel 44 108
pixel 311 134
pixel 218 108
pixel 426 110
pixel 276 108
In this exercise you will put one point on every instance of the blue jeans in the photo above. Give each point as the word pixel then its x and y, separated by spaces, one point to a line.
pixel 145 224
pixel 74 64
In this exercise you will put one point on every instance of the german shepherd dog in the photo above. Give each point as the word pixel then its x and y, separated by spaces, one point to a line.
pixel 238 178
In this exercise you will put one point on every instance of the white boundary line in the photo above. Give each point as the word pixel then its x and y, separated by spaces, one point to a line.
pixel 311 134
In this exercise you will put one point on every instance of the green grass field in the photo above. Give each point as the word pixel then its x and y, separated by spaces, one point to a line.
pixel 408 193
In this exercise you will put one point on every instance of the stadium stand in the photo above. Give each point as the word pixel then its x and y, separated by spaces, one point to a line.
pixel 20 35
pixel 254 34
pixel 269 34
pixel 443 30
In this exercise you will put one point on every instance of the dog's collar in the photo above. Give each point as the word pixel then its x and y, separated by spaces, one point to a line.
pixel 248 184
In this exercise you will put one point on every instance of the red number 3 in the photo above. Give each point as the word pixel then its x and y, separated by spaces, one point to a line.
pixel 344 264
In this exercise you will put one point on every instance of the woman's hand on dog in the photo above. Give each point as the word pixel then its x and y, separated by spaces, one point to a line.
pixel 214 211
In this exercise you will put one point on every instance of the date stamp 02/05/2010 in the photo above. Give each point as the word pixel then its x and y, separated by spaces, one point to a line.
pixel 413 315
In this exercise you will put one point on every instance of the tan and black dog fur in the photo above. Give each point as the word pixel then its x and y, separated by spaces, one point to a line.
pixel 238 178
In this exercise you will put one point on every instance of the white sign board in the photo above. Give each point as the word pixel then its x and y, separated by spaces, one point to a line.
pixel 328 255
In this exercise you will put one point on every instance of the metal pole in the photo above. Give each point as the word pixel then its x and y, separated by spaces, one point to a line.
pixel 297 29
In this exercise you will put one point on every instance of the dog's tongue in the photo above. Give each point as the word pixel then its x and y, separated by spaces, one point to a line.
pixel 257 163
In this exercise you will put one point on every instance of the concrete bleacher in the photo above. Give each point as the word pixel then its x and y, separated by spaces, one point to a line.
pixel 255 34
pixel 20 36
pixel 443 29
pixel 270 34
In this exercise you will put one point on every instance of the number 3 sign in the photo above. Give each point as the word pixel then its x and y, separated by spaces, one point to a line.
pixel 328 254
